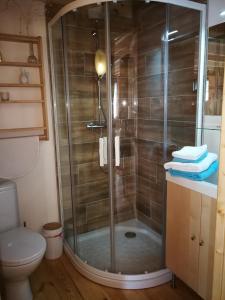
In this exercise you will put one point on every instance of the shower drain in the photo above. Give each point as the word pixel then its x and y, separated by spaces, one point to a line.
pixel 130 234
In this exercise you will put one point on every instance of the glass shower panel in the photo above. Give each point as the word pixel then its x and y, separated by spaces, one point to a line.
pixel 183 48
pixel 118 224
pixel 61 122
pixel 137 49
pixel 84 33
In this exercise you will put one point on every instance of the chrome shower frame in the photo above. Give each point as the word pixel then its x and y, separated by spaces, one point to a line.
pixel 107 278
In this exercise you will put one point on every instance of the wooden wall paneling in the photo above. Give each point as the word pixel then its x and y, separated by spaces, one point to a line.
pixel 218 291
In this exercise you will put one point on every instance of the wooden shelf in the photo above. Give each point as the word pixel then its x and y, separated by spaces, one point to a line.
pixel 21 101
pixel 19 38
pixel 22 129
pixel 42 132
pixel 28 85
pixel 19 64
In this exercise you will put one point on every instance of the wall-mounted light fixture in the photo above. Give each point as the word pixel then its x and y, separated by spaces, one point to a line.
pixel 100 63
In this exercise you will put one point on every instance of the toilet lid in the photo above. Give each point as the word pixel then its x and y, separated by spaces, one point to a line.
pixel 20 246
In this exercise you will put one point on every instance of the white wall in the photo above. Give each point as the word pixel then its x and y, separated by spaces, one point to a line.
pixel 215 7
pixel 37 191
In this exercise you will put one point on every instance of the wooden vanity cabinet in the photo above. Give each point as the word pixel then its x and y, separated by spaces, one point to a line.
pixel 190 234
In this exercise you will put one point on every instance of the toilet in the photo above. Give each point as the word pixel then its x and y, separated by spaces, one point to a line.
pixel 21 249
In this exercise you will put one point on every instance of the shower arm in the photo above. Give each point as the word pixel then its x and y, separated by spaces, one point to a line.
pixel 100 108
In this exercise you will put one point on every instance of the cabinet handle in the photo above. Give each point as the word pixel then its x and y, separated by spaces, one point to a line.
pixel 193 237
pixel 201 243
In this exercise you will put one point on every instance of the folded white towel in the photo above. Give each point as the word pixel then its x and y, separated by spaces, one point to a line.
pixel 192 167
pixel 190 153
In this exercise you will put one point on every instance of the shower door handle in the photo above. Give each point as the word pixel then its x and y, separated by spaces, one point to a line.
pixel 117 150
pixel 103 160
pixel 101 152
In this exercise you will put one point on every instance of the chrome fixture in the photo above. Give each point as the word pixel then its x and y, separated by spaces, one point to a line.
pixel 95 125
pixel 172 32
pixel 100 67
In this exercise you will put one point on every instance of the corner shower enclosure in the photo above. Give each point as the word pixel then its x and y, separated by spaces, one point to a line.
pixel 128 82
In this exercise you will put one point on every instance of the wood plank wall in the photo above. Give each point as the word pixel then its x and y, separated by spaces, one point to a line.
pixel 181 100
pixel 219 255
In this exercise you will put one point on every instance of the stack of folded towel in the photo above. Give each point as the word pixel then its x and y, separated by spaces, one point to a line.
pixel 194 163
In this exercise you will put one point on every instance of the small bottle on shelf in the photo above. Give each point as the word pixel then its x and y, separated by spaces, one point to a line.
pixel 24 77
pixel 32 59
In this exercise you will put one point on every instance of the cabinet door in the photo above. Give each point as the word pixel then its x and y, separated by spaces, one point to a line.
pixel 207 242
pixel 182 233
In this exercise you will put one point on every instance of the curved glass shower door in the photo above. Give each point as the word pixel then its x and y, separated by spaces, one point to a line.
pixel 85 64
pixel 154 66
pixel 78 49
pixel 127 92
pixel 137 76
pixel 62 133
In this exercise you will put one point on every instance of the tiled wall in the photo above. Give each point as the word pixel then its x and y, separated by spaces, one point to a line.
pixel 124 86
pixel 91 182
pixel 91 199
pixel 150 115
pixel 181 102
pixel 216 57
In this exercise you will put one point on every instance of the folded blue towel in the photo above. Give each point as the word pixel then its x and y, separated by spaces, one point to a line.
pixel 204 155
pixel 195 175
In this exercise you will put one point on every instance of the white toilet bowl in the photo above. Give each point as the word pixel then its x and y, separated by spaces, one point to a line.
pixel 21 251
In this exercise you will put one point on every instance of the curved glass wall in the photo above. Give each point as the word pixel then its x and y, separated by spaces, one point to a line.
pixel 126 83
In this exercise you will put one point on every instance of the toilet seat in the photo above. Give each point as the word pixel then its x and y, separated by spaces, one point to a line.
pixel 20 246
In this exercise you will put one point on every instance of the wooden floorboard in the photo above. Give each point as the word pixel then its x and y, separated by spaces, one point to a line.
pixel 58 279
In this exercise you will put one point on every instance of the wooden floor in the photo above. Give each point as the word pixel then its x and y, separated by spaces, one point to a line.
pixel 58 279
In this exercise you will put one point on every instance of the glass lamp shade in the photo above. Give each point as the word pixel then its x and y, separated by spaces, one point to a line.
pixel 100 62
